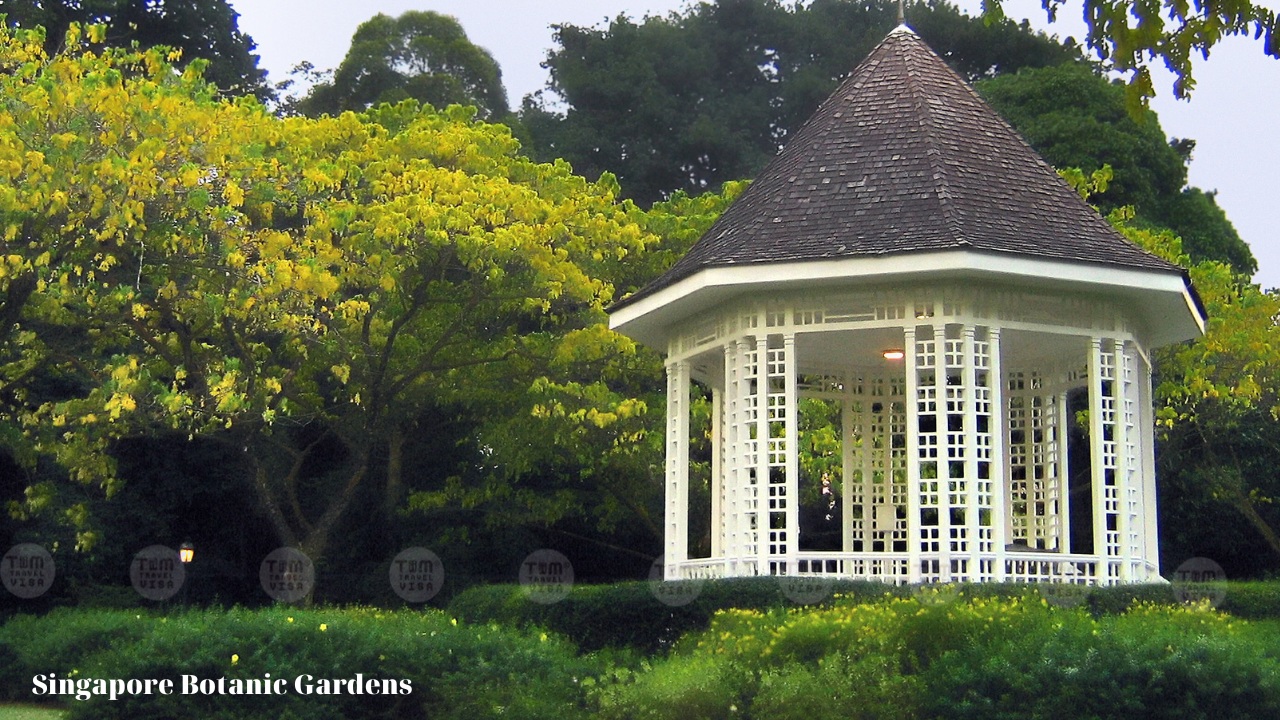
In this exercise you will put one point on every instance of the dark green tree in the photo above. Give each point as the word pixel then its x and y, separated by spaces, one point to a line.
pixel 1075 118
pixel 207 29
pixel 421 55
pixel 689 101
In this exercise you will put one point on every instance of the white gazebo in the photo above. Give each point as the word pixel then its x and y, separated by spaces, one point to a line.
pixel 910 273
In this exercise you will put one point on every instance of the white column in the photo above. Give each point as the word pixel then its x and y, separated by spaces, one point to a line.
pixel 1097 461
pixel 998 471
pixel 677 457
pixel 1146 450
pixel 717 471
pixel 791 435
pixel 912 402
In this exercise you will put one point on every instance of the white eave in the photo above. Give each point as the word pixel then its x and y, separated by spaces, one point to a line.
pixel 1162 300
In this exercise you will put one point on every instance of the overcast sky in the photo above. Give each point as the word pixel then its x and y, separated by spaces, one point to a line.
pixel 1231 114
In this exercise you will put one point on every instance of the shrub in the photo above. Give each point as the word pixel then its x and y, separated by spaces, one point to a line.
pixel 455 670
pixel 1253 600
pixel 628 614
pixel 953 656
pixel 694 686
pixel 1149 662
pixel 59 642
pixel 838 687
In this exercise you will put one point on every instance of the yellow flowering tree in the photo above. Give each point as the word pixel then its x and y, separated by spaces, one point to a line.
pixel 175 262
pixel 1218 399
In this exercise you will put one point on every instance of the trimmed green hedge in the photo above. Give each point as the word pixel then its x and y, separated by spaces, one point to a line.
pixel 947 655
pixel 630 615
pixel 738 648
pixel 455 670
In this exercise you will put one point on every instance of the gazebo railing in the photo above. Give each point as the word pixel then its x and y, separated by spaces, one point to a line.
pixel 1024 567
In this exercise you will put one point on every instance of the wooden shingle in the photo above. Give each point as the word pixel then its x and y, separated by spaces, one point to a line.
pixel 905 157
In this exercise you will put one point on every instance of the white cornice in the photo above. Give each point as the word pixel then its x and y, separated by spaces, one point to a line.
pixel 1162 299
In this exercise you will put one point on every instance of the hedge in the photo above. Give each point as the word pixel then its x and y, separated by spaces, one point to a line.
pixel 631 615
pixel 454 670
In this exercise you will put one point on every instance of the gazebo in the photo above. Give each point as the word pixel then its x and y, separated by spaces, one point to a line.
pixel 910 281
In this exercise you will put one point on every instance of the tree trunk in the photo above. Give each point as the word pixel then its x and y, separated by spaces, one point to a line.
pixel 395 472
pixel 1242 502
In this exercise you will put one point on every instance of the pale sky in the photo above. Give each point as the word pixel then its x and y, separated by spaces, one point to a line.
pixel 1237 90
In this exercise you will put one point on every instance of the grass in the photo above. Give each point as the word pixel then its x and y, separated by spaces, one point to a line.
pixel 23 711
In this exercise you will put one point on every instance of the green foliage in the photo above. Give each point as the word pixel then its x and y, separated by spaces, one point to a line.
pixel 57 642
pixel 1131 34
pixel 456 670
pixel 204 29
pixel 306 291
pixel 948 655
pixel 695 99
pixel 1218 398
pixel 420 55
pixel 629 614
pixel 1151 661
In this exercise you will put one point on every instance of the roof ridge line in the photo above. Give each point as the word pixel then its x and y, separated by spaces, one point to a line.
pixel 934 154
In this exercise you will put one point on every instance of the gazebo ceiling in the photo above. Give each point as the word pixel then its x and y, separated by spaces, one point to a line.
pixel 905 172
pixel 864 350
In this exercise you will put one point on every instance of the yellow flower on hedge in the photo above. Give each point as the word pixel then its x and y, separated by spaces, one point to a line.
pixel 290 619
pixel 324 626
pixel 234 658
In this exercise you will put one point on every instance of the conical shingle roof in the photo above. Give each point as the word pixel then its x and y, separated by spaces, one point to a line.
pixel 905 157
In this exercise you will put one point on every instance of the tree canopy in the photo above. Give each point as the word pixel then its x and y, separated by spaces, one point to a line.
pixel 692 100
pixel 205 29
pixel 1218 405
pixel 302 291
pixel 420 55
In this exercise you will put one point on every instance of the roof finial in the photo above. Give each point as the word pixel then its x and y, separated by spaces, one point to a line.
pixel 902 15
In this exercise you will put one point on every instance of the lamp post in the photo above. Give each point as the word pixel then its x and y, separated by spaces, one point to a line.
pixel 186 553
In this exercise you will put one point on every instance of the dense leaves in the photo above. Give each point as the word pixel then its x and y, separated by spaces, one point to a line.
pixel 294 288
pixel 206 29
pixel 1218 403
pixel 420 55
pixel 689 101
pixel 1131 34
